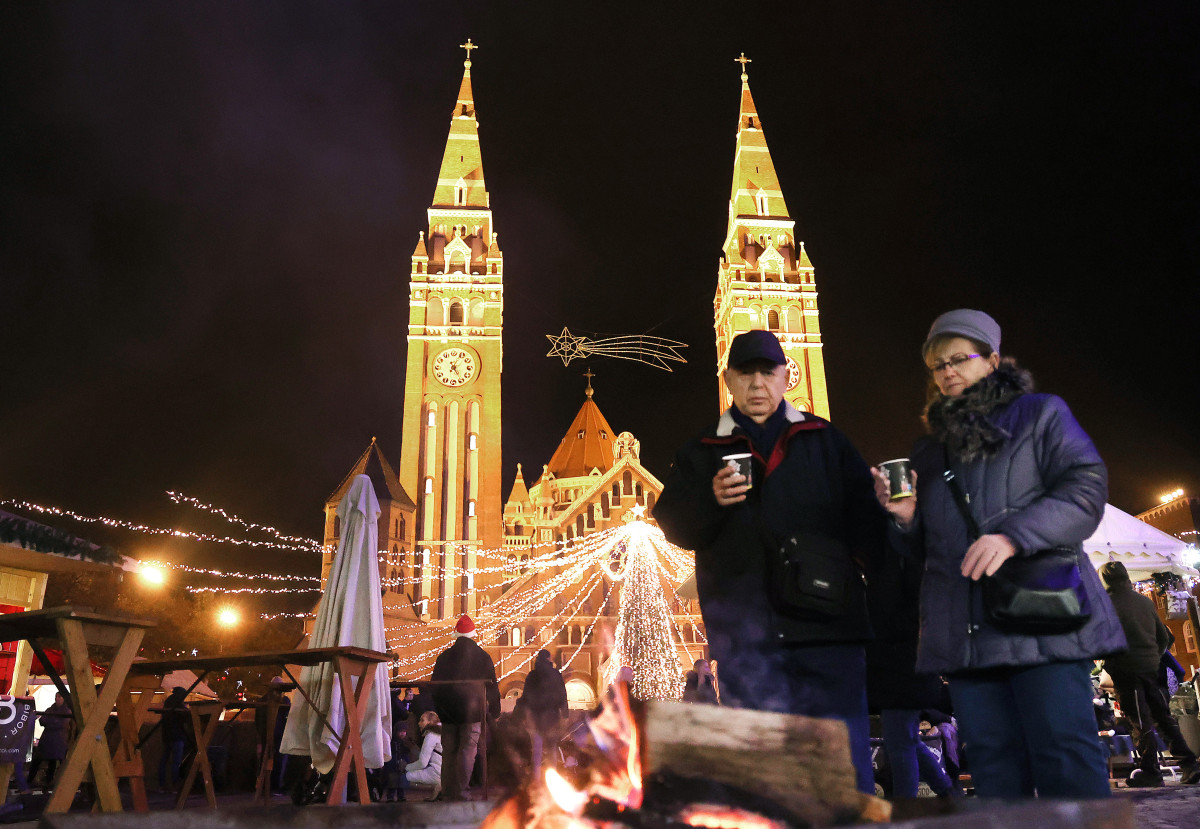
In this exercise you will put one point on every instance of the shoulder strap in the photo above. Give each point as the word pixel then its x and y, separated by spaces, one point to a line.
pixel 960 497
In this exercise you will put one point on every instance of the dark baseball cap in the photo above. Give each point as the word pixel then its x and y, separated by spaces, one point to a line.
pixel 755 345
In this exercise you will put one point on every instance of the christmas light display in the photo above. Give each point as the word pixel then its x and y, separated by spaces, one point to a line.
pixel 641 348
pixel 636 560
pixel 180 498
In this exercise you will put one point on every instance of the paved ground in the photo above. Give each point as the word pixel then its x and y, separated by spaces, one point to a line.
pixel 1171 807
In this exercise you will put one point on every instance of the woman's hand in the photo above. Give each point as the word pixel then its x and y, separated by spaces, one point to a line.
pixel 729 486
pixel 902 509
pixel 985 556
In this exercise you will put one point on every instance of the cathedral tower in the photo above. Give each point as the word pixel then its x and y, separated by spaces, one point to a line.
pixel 765 279
pixel 450 460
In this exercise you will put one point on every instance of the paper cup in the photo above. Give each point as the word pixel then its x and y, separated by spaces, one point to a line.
pixel 899 477
pixel 742 463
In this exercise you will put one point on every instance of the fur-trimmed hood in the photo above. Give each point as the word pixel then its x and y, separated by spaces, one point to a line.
pixel 961 423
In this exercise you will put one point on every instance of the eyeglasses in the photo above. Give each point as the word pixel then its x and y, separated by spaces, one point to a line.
pixel 956 362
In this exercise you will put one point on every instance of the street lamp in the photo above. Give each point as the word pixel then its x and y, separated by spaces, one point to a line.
pixel 152 575
pixel 227 618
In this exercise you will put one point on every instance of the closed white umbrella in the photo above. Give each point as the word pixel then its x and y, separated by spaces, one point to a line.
pixel 351 613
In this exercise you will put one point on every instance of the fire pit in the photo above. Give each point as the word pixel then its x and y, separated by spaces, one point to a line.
pixel 664 765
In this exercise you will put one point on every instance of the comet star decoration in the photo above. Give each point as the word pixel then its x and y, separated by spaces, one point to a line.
pixel 641 348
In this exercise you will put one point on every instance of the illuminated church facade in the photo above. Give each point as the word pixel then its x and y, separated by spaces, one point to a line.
pixel 450 544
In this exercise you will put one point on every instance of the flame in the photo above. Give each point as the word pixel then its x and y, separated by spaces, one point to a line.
pixel 725 817
pixel 566 796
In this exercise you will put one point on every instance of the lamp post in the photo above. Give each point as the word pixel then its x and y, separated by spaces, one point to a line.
pixel 227 618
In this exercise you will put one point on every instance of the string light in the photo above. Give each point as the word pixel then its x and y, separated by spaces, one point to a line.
pixel 142 528
pixel 180 498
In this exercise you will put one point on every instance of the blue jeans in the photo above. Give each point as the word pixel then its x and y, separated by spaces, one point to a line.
pixel 1031 730
pixel 910 759
pixel 818 681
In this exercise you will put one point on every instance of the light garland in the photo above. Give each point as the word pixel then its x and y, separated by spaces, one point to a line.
pixel 180 498
pixel 142 528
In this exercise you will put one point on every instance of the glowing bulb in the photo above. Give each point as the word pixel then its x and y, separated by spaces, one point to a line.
pixel 152 574
pixel 228 617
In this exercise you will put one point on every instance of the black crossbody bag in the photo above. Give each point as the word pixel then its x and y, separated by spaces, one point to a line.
pixel 811 576
pixel 1036 595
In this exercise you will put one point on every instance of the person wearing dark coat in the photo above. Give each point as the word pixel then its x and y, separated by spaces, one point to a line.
pixel 175 718
pixel 807 482
pixel 543 704
pixel 894 688
pixel 460 707
pixel 1135 680
pixel 51 748
pixel 1034 480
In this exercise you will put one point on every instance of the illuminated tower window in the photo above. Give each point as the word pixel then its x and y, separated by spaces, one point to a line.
pixel 429 486
pixel 761 199
pixel 460 193
pixel 772 320
pixel 471 509
pixel 455 317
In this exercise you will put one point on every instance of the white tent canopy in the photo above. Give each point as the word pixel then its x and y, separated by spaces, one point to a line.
pixel 1141 548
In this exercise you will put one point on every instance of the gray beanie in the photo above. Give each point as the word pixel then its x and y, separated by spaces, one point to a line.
pixel 963 322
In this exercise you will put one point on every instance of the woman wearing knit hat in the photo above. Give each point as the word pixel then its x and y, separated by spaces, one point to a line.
pixel 1032 480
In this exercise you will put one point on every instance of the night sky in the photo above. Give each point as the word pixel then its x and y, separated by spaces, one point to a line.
pixel 207 212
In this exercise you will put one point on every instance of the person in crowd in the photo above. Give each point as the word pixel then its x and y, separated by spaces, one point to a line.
pixel 1135 679
pixel 277 692
pixel 51 748
pixel 1034 480
pixel 426 770
pixel 691 687
pixel 809 483
pixel 459 705
pixel 894 689
pixel 173 728
pixel 706 683
pixel 543 705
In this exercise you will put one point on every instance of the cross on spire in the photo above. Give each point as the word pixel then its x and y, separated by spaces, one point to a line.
pixel 743 60
pixel 589 375
pixel 468 46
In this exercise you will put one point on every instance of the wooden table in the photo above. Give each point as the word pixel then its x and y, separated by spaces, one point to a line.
pixel 76 628
pixel 350 665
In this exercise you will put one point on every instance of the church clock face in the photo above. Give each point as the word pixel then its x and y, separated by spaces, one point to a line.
pixel 793 371
pixel 454 367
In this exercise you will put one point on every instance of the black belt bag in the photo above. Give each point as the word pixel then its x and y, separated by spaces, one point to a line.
pixel 810 577
pixel 1036 595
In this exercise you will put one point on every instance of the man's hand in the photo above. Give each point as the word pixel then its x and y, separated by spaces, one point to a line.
pixel 985 556
pixel 902 509
pixel 729 486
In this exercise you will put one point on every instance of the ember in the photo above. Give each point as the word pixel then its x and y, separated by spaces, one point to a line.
pixel 778 772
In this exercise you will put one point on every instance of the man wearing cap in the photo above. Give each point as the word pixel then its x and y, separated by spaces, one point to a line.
pixel 460 705
pixel 807 483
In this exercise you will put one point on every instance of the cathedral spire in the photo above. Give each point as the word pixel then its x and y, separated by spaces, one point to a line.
pixel 765 279
pixel 460 179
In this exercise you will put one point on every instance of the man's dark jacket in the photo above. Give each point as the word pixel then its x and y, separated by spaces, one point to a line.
pixel 814 481
pixel 1146 634
pixel 462 704
pixel 544 698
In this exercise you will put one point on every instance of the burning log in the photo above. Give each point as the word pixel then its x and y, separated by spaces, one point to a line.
pixel 793 768
pixel 670 766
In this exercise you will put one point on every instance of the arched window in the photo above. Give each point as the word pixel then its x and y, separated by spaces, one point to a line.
pixel 793 320
pixel 514 637
pixel 428 486
pixel 772 319
pixel 761 202
pixel 471 509
pixel 460 193
pixel 455 317
pixel 400 527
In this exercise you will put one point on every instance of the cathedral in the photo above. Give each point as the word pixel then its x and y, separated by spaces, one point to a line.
pixel 448 542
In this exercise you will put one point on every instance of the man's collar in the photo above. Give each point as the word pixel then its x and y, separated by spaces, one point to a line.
pixel 727 424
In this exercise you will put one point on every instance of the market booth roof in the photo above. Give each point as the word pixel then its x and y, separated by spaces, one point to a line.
pixel 1143 549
